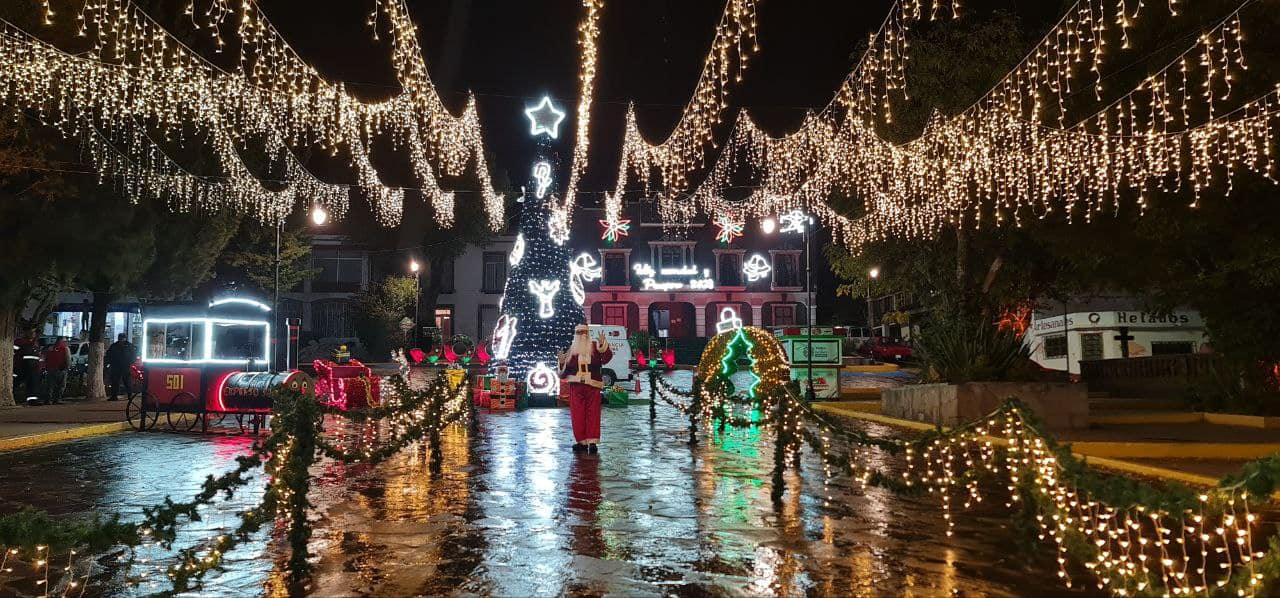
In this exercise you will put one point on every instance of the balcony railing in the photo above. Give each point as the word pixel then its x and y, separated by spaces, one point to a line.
pixel 1164 375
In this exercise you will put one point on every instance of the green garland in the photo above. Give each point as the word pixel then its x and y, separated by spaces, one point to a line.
pixel 287 455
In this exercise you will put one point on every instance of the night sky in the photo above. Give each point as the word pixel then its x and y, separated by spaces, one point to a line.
pixel 511 53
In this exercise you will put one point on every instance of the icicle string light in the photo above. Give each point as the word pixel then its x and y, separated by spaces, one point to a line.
pixel 1014 154
pixel 272 93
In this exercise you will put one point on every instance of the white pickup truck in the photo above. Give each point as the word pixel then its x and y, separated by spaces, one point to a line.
pixel 618 368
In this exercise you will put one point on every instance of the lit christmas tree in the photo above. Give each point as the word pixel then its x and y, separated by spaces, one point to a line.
pixel 541 303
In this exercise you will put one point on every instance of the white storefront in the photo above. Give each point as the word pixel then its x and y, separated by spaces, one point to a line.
pixel 1060 342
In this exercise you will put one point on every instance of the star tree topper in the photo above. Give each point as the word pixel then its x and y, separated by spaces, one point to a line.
pixel 544 118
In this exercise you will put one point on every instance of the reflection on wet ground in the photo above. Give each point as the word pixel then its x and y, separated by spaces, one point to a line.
pixel 516 513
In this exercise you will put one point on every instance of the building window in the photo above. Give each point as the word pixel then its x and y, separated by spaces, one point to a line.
pixel 1172 347
pixel 729 269
pixel 1055 347
pixel 615 315
pixel 616 270
pixel 495 272
pixel 1090 346
pixel 332 319
pixel 784 315
pixel 670 256
pixel 337 271
pixel 446 276
pixel 485 320
pixel 786 269
pixel 667 254
pixel 444 321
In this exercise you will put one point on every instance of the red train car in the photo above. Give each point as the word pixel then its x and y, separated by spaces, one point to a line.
pixel 203 363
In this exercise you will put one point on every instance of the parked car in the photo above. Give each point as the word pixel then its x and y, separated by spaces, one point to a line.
pixel 885 349
pixel 619 368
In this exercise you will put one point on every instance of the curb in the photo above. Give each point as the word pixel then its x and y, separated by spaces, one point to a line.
pixel 72 433
pixel 1234 451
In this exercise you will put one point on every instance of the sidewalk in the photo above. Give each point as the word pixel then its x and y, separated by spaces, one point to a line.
pixel 23 427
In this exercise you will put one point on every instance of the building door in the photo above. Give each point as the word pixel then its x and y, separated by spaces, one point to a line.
pixel 1090 346
pixel 444 321
pixel 615 315
pixel 660 322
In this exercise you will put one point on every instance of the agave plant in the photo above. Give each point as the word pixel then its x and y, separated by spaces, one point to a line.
pixel 959 351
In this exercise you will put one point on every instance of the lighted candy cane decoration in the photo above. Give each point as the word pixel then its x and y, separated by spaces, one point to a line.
pixel 541 174
pixel 517 251
pixel 542 380
pixel 583 268
pixel 545 291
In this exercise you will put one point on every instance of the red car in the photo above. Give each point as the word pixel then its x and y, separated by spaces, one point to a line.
pixel 885 349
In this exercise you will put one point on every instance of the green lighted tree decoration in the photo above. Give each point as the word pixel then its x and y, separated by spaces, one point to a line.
pixel 730 363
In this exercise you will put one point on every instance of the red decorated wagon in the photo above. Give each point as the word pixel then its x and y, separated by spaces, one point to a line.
pixel 202 363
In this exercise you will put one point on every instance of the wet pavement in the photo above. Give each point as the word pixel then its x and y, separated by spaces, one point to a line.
pixel 516 513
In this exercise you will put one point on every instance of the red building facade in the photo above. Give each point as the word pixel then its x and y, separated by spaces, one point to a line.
pixel 674 281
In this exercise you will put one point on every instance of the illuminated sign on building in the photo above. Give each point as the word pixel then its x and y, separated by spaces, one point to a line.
pixel 674 279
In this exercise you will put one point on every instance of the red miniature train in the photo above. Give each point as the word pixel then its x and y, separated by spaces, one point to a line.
pixel 200 365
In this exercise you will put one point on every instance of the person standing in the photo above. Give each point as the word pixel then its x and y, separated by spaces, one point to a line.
pixel 57 360
pixel 580 368
pixel 120 357
pixel 26 367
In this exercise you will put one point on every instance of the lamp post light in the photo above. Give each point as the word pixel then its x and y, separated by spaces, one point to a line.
pixel 417 301
pixel 872 275
pixel 319 216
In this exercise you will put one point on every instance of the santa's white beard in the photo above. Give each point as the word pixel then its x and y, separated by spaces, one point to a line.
pixel 582 349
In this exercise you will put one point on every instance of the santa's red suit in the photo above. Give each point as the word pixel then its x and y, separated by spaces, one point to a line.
pixel 585 384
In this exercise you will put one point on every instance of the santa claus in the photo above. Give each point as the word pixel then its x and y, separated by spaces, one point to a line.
pixel 580 369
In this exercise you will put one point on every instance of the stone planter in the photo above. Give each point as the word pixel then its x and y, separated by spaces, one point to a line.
pixel 1057 405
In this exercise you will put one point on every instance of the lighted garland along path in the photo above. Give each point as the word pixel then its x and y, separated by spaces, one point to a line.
pixel 1135 539
pixel 1132 538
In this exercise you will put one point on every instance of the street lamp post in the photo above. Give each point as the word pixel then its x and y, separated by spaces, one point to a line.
pixel 318 217
pixel 811 313
pixel 768 225
pixel 417 301
pixel 872 275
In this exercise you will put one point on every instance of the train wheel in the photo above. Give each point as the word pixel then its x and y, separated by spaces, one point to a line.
pixel 183 413
pixel 133 412
pixel 214 419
